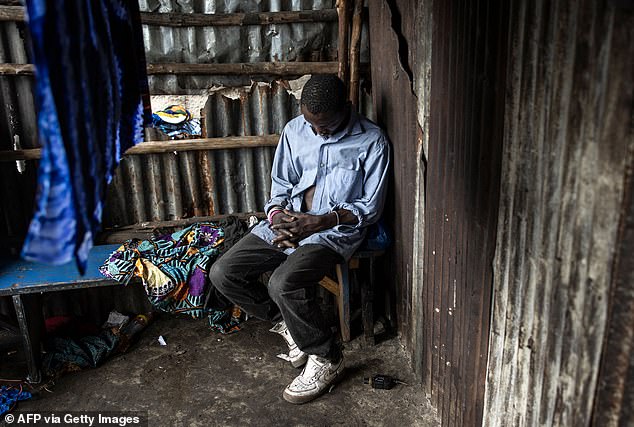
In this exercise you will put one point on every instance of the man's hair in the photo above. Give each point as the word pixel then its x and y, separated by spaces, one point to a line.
pixel 324 93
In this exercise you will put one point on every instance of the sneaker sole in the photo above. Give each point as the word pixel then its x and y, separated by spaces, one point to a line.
pixel 299 400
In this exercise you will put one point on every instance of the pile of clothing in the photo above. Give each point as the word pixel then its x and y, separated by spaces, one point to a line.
pixel 174 270
pixel 74 344
pixel 177 122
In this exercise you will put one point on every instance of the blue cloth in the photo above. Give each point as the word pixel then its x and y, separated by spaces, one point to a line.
pixel 9 396
pixel 92 98
pixel 348 169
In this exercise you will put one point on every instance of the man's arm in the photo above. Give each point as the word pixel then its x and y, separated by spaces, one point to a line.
pixel 283 176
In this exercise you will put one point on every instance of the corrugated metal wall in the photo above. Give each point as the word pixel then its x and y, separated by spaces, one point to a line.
pixel 155 187
pixel 233 44
pixel 568 141
pixel 447 155
pixel 463 176
pixel 614 404
pixel 171 186
pixel 17 129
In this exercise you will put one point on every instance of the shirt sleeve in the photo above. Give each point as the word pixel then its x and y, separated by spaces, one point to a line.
pixel 283 174
pixel 369 207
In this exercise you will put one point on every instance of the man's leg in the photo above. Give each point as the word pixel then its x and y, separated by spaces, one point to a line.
pixel 235 275
pixel 293 286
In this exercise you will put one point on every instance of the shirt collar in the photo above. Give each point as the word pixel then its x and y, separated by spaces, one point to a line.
pixel 354 126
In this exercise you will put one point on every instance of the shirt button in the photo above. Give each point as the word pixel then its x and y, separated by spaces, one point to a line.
pixel 322 165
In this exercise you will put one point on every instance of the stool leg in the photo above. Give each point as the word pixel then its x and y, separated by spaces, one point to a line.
pixel 343 301
pixel 367 309
pixel 29 314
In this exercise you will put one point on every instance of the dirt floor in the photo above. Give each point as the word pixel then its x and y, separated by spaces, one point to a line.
pixel 202 378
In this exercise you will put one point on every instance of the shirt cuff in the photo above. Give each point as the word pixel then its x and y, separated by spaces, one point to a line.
pixel 277 202
pixel 355 211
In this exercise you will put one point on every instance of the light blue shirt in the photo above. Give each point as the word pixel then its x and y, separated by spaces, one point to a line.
pixel 348 169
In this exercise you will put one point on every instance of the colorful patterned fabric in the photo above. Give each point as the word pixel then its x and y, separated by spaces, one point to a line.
pixel 225 321
pixel 92 98
pixel 173 267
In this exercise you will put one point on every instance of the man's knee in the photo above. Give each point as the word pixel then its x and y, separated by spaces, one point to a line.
pixel 283 284
pixel 218 273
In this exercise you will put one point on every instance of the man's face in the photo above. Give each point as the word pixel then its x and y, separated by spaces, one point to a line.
pixel 325 124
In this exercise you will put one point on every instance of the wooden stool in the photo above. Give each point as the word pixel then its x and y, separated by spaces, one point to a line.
pixel 340 288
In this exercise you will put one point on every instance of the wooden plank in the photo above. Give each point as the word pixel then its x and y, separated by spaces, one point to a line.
pixel 12 13
pixel 144 230
pixel 16 14
pixel 17 69
pixel 13 155
pixel 245 68
pixel 330 285
pixel 154 147
pixel 240 19
pixel 204 144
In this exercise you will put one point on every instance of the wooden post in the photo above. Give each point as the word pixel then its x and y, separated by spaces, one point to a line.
pixel 355 43
pixel 205 169
pixel 342 47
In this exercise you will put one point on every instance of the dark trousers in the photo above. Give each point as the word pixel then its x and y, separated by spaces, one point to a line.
pixel 290 294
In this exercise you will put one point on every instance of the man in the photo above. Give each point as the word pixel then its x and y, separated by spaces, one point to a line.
pixel 328 183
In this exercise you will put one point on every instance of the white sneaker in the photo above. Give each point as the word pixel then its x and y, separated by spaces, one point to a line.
pixel 317 376
pixel 295 355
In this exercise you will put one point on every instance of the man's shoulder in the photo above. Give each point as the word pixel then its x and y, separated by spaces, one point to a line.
pixel 295 125
pixel 372 131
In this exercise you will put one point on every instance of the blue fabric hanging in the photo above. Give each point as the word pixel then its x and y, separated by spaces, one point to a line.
pixel 92 97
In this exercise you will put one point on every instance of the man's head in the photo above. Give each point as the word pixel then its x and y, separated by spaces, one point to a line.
pixel 324 104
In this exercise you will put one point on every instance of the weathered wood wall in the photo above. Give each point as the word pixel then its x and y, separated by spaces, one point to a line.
pixel 396 109
pixel 567 143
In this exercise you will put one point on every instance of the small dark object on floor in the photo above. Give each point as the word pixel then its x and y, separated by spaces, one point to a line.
pixel 384 382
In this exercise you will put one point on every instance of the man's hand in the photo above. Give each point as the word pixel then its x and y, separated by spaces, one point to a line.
pixel 282 236
pixel 297 226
